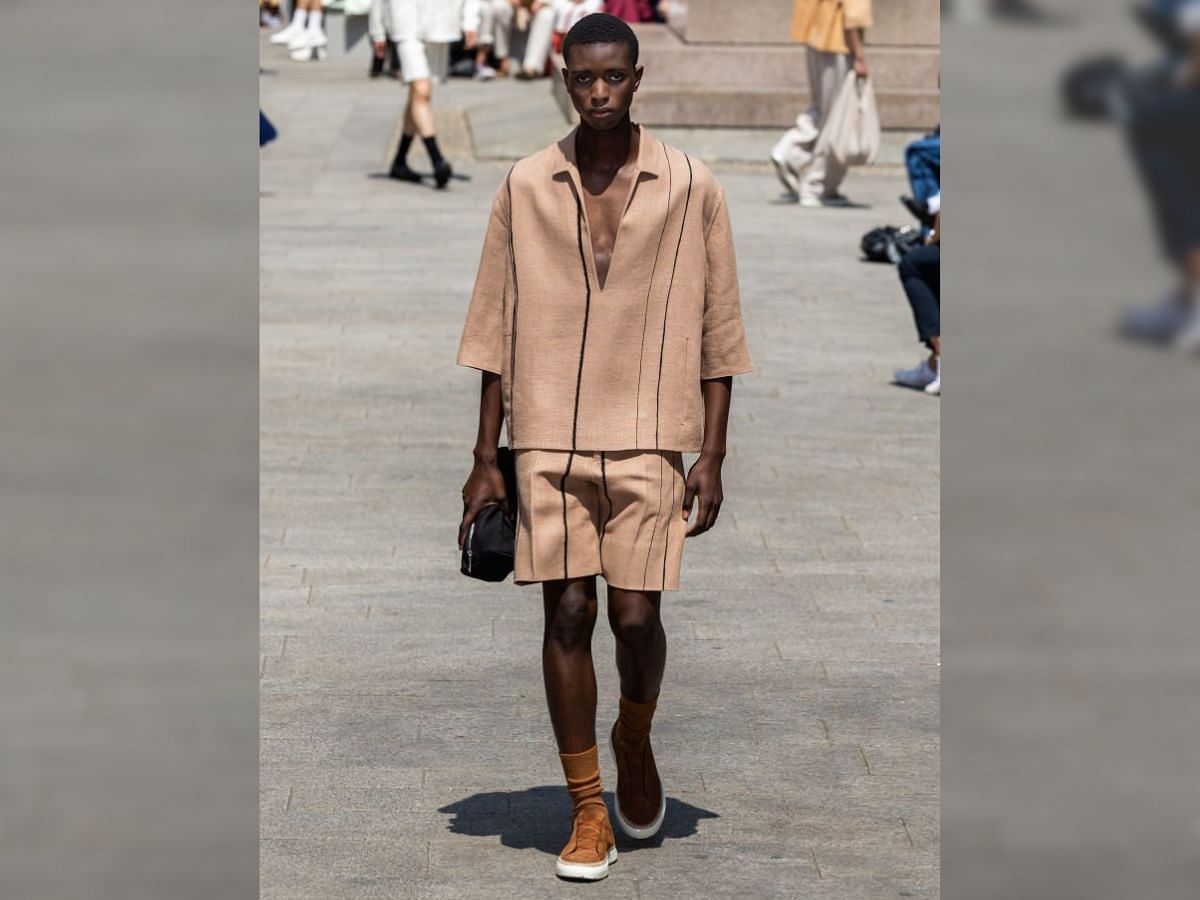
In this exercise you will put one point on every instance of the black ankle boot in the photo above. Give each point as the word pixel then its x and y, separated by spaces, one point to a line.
pixel 401 172
pixel 442 173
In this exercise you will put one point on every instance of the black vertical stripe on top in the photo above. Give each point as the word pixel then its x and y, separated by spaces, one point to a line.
pixel 667 303
pixel 637 409
pixel 607 500
pixel 512 353
pixel 562 489
pixel 587 306
pixel 654 530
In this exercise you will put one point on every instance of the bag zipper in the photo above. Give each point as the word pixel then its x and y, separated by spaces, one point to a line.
pixel 470 553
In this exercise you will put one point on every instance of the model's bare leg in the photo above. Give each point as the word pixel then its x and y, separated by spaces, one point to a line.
pixel 570 678
pixel 641 641
pixel 418 116
pixel 641 659
pixel 418 119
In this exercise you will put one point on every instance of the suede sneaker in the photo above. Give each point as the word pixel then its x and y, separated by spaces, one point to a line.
pixel 592 847
pixel 640 801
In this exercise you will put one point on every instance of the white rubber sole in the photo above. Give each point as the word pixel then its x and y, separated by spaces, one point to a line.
pixel 583 872
pixel 315 54
pixel 637 832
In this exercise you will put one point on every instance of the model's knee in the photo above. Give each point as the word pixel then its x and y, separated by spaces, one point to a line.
pixel 636 626
pixel 571 622
pixel 421 91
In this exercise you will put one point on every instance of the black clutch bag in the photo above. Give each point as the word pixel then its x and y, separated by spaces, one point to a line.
pixel 491 540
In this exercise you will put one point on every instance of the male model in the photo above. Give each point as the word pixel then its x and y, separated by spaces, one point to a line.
pixel 607 325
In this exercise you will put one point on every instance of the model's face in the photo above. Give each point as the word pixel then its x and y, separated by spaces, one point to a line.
pixel 601 82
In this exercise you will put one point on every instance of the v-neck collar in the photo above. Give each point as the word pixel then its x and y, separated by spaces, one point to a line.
pixel 646 164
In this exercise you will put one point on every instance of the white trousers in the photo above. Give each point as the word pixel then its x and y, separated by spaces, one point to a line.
pixel 531 46
pixel 818 172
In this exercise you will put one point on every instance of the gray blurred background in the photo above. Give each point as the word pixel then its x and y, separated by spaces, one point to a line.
pixel 128 365
pixel 1071 503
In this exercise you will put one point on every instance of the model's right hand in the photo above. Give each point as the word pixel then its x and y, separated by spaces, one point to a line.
pixel 484 487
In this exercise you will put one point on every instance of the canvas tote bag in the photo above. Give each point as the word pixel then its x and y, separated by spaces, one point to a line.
pixel 851 133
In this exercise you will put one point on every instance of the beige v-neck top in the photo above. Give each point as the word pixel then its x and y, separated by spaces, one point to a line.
pixel 620 368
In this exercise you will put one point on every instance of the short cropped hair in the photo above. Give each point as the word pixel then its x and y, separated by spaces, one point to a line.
pixel 601 28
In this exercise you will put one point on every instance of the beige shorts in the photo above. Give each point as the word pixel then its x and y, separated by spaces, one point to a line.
pixel 611 513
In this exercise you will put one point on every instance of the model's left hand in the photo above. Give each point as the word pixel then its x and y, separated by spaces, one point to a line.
pixel 704 484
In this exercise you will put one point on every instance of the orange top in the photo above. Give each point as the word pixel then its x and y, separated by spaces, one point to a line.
pixel 618 368
pixel 822 24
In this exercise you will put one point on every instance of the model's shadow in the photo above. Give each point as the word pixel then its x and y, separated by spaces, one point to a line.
pixel 426 178
pixel 540 818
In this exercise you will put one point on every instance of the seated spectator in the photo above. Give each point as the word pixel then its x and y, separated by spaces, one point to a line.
pixel 631 10
pixel 923 160
pixel 522 29
pixel 921 275
pixel 1165 142
pixel 567 13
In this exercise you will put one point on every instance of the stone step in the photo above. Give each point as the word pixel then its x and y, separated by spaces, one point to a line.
pixel 775 64
pixel 761 106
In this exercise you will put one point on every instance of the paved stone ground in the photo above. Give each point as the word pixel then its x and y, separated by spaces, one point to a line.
pixel 406 750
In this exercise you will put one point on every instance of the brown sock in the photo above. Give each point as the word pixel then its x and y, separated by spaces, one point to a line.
pixel 583 778
pixel 633 720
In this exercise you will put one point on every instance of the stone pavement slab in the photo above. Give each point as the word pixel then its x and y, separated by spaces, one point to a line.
pixel 406 747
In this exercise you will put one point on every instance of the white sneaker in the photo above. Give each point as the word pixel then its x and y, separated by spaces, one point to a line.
pixel 934 387
pixel 287 34
pixel 308 39
pixel 485 73
pixel 920 377
pixel 809 202
pixel 787 177
pixel 1162 323
pixel 310 45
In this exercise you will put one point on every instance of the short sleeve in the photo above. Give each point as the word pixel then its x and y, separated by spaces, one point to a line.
pixel 857 13
pixel 723 348
pixel 482 343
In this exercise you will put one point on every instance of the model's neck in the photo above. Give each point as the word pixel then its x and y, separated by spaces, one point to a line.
pixel 609 149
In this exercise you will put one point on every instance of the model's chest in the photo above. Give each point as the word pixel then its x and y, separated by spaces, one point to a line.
pixel 626 237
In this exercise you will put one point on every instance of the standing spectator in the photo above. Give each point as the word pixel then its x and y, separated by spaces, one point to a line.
pixel 834 32
pixel 305 34
pixel 383 45
pixel 921 275
pixel 424 31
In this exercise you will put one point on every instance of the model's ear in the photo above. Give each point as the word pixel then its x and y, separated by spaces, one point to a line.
pixel 637 77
